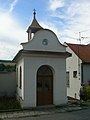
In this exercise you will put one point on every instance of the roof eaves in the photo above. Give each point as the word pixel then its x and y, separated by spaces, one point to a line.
pixel 18 55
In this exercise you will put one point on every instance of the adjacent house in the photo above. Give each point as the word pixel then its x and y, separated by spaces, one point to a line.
pixel 78 68
pixel 41 68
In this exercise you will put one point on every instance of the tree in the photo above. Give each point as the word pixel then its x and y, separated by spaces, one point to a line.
pixel 2 67
pixel 10 68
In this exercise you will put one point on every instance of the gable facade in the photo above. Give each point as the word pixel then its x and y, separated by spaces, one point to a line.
pixel 36 86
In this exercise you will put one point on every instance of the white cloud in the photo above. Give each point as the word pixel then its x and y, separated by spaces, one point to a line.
pixel 8 5
pixel 12 5
pixel 54 4
pixel 74 17
pixel 10 28
pixel 11 34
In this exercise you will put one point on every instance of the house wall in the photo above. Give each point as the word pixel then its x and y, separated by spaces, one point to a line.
pixel 7 84
pixel 86 73
pixel 73 63
pixel 31 66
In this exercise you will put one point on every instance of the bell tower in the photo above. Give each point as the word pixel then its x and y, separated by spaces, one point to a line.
pixel 34 27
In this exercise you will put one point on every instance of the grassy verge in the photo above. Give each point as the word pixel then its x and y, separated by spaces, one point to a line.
pixel 9 103
pixel 78 102
pixel 85 103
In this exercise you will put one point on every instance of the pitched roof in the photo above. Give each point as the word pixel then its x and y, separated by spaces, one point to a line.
pixel 82 51
pixel 34 26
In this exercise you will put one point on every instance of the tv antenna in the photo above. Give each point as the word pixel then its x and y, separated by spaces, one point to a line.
pixel 82 37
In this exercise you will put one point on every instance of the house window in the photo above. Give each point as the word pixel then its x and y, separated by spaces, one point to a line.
pixel 68 80
pixel 75 74
pixel 20 84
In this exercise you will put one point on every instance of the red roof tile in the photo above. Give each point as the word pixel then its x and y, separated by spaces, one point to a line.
pixel 82 51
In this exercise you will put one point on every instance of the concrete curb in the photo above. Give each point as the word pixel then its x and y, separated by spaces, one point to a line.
pixel 38 112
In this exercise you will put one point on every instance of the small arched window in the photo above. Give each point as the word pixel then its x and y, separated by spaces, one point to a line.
pixel 17 77
pixel 20 84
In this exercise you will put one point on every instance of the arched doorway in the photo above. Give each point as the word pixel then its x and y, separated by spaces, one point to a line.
pixel 44 86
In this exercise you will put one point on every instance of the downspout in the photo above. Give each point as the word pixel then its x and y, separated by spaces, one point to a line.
pixel 81 72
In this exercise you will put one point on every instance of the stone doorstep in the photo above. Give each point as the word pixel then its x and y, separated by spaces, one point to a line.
pixel 37 112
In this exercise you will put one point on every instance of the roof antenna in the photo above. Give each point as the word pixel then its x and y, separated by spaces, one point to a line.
pixel 34 13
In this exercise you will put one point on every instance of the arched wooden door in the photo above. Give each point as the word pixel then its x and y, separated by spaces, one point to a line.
pixel 44 86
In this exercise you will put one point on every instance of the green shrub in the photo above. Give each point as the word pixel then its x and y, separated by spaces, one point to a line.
pixel 7 68
pixel 87 92
pixel 2 67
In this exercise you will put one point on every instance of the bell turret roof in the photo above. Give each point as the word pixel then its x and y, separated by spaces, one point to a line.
pixel 34 27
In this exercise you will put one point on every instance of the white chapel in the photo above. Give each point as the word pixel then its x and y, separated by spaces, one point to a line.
pixel 41 68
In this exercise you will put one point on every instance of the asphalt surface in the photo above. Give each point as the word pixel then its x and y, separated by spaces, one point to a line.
pixel 83 114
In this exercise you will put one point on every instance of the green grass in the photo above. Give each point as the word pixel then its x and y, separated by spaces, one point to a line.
pixel 78 102
pixel 85 103
pixel 7 103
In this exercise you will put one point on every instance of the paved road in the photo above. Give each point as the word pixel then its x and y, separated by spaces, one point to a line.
pixel 75 115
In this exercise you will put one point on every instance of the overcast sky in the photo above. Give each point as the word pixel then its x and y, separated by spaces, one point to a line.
pixel 65 17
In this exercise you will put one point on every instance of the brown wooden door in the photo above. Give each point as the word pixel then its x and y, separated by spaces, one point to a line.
pixel 44 89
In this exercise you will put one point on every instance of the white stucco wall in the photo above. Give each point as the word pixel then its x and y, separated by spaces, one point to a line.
pixel 73 63
pixel 32 65
pixel 36 42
